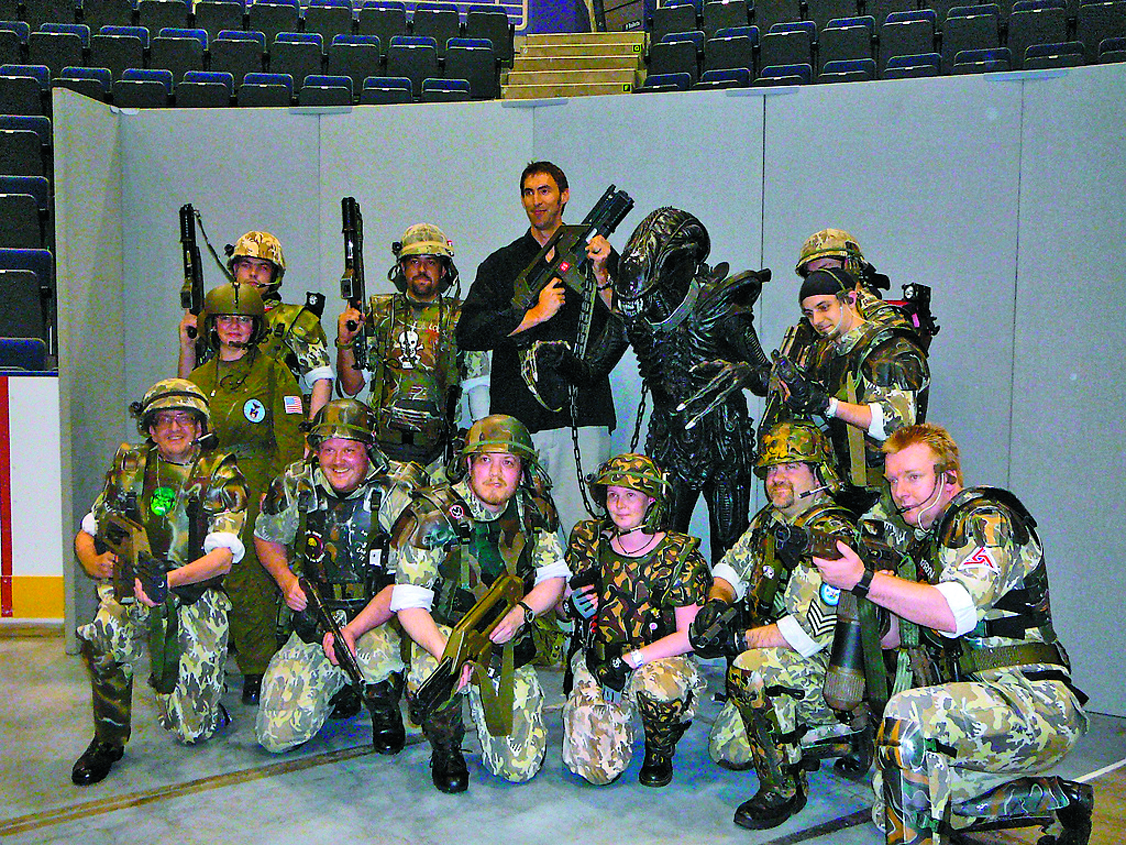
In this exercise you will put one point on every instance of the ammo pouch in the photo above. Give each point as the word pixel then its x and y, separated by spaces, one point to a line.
pixel 191 593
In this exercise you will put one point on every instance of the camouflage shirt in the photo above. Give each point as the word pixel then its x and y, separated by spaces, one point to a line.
pixel 639 595
pixel 163 491
pixel 803 607
pixel 295 337
pixel 421 566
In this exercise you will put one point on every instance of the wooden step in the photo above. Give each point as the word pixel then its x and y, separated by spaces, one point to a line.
pixel 576 63
pixel 618 77
pixel 539 92
pixel 585 38
pixel 543 51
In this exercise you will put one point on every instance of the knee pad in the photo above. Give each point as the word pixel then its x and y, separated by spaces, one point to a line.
pixel 900 745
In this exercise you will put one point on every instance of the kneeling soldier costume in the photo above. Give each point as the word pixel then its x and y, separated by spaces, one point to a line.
pixel 638 588
pixel 330 515
pixel 451 545
pixel 775 681
pixel 995 700
pixel 172 512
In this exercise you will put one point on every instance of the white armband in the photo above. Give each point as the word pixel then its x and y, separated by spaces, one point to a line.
pixel 798 639
pixel 318 373
pixel 876 429
pixel 559 569
pixel 961 605
pixel 225 540
pixel 727 572
pixel 404 596
pixel 90 524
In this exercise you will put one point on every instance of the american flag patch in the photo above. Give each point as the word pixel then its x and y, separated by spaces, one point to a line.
pixel 292 404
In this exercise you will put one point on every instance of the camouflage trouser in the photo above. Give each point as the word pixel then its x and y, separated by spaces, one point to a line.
pixel 598 736
pixel 956 741
pixel 768 668
pixel 518 756
pixel 300 682
pixel 118 632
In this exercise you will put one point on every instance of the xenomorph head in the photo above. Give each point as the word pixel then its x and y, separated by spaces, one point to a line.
pixel 664 254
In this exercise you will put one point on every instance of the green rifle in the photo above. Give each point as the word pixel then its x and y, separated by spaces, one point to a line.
pixel 469 643
pixel 191 292
pixel 353 286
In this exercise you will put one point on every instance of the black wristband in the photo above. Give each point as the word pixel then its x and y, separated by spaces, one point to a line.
pixel 529 614
pixel 864 584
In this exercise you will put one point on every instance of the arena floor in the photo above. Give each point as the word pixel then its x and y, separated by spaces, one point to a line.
pixel 335 790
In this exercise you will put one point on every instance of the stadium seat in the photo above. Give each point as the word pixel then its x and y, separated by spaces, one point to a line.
pixel 912 67
pixel 357 56
pixel 1035 22
pixel 386 90
pixel 414 57
pixel 847 70
pixel 788 44
pixel 299 54
pixel 721 14
pixel 657 82
pixel 94 82
pixel 439 21
pixel 21 229
pixel 1097 21
pixel 178 50
pixel 384 19
pixel 205 89
pixel 474 60
pixel 969 28
pixel 141 88
pixel 266 89
pixel 326 91
pixel 491 22
pixel 823 11
pixel 733 77
pixel 98 13
pixel 238 53
pixel 329 18
pixel 1064 54
pixel 982 61
pixel 273 16
pixel 156 15
pixel 445 90
pixel 676 16
pixel 213 16
pixel 772 75
pixel 847 38
pixel 58 45
pixel 907 34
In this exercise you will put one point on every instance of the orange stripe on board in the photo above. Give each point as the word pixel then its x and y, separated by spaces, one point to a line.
pixel 5 503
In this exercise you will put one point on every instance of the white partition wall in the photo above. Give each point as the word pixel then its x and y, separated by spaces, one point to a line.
pixel 1003 193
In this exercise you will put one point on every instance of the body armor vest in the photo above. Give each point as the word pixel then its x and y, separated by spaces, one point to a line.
pixel 1023 609
pixel 416 378
pixel 343 548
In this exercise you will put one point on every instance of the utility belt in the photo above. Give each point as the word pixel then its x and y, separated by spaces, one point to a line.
pixel 350 598
pixel 975 661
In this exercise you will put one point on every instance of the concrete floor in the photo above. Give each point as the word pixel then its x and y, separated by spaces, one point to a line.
pixel 334 790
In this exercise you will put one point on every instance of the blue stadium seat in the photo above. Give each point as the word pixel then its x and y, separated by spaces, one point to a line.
pixel 205 89
pixel 386 90
pixel 266 89
pixel 94 82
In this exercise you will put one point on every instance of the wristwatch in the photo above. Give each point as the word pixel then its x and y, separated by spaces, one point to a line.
pixel 529 614
pixel 864 584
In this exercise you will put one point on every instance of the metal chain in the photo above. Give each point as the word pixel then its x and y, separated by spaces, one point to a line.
pixel 640 416
pixel 572 395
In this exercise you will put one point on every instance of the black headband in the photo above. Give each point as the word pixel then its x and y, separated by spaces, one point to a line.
pixel 828 282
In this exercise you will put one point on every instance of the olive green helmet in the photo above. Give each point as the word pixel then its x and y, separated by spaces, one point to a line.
pixel 170 394
pixel 798 441
pixel 233 298
pixel 637 472
pixel 502 433
pixel 259 245
pixel 423 239
pixel 348 419
pixel 831 243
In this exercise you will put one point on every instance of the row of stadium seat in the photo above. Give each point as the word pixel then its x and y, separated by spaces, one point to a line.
pixel 381 18
pixel 966 28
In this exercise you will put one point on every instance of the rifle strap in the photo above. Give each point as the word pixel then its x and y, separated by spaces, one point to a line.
pixel 497 703
pixel 164 646
pixel 874 672
pixel 858 467
pixel 222 267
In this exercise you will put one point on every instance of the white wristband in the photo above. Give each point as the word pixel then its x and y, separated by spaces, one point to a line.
pixel 831 411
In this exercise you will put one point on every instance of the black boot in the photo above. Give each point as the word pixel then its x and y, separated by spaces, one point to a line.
pixel 95 762
pixel 346 703
pixel 663 729
pixel 251 688
pixel 776 801
pixel 1030 801
pixel 112 697
pixel 1076 816
pixel 445 731
pixel 387 732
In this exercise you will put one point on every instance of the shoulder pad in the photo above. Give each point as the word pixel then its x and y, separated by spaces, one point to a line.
pixel 295 321
pixel 973 501
pixel 586 531
pixel 436 518
pixel 380 303
pixel 226 488
pixel 129 458
pixel 825 512
pixel 539 511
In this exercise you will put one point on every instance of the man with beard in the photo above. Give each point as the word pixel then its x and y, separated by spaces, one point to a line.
pixel 451 545
pixel 418 371
pixel 293 332
pixel 774 682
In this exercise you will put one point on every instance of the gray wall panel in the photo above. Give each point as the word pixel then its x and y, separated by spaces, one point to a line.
pixel 1069 456
pixel 925 177
pixel 241 171
pixel 90 286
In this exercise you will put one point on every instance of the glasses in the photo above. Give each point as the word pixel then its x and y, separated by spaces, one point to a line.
pixel 183 419
pixel 234 319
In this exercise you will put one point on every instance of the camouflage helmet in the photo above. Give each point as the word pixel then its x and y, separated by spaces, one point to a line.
pixel 423 239
pixel 233 298
pixel 170 394
pixel 259 245
pixel 831 243
pixel 348 419
pixel 637 472
pixel 798 441
pixel 502 433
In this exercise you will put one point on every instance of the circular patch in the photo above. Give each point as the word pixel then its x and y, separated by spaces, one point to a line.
pixel 830 595
pixel 768 571
pixel 163 500
pixel 254 410
pixel 457 512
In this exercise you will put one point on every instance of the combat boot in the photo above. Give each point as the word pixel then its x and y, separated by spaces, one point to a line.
pixel 251 688
pixel 777 800
pixel 445 730
pixel 1076 816
pixel 112 698
pixel 1030 801
pixel 387 732
pixel 663 729
pixel 346 703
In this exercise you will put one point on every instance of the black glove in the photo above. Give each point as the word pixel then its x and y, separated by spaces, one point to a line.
pixel 612 674
pixel 806 395
pixel 557 355
pixel 153 575
pixel 716 631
